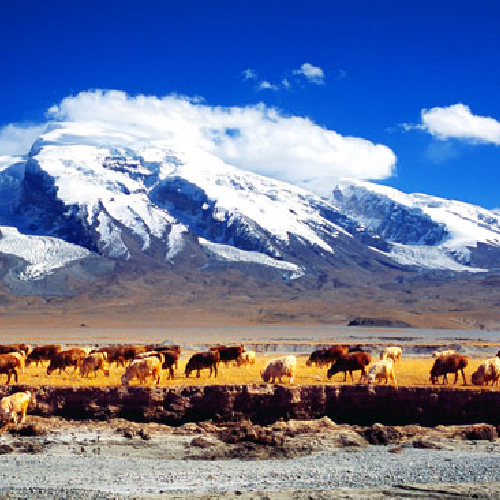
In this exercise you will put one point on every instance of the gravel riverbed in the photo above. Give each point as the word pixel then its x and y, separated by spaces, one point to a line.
pixel 56 458
pixel 66 474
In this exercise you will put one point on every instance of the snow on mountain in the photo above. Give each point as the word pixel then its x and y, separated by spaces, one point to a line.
pixel 43 254
pixel 229 253
pixel 124 196
pixel 422 230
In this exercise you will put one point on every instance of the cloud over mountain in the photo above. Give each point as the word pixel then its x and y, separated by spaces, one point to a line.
pixel 257 138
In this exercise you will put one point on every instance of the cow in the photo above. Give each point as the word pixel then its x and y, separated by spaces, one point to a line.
pixel 170 359
pixel 22 359
pixel 151 354
pixel 9 365
pixel 449 364
pixel 228 354
pixel 394 353
pixel 357 360
pixel 203 360
pixel 43 353
pixel 277 368
pixel 383 369
pixel 247 358
pixel 115 354
pixel 14 407
pixel 8 348
pixel 142 369
pixel 93 363
pixel 327 355
pixel 64 359
pixel 486 371
pixel 171 348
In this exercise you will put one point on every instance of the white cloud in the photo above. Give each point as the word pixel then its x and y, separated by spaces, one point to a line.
pixel 256 138
pixel 249 74
pixel 458 122
pixel 265 85
pixel 313 73
pixel 286 84
pixel 17 139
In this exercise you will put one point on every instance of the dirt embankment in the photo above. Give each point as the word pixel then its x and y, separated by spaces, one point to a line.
pixel 265 404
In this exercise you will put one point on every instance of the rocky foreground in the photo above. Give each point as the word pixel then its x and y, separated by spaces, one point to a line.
pixel 55 458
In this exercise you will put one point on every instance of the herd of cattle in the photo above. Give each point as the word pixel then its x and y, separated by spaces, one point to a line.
pixel 142 362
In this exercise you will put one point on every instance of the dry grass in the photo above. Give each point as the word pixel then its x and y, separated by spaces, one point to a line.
pixel 409 372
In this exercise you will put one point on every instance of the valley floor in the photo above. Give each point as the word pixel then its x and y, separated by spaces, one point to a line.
pixel 120 459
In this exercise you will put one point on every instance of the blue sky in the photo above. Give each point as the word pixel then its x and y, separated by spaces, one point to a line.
pixel 382 64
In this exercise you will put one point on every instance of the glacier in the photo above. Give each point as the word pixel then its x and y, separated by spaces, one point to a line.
pixel 422 230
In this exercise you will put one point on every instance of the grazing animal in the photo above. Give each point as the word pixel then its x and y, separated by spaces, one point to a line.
pixel 151 354
pixel 352 362
pixel 115 354
pixel 130 352
pixel 65 359
pixel 14 407
pixel 8 348
pixel 383 369
pixel 43 353
pixel 449 364
pixel 175 348
pixel 203 360
pixel 228 354
pixel 327 355
pixel 247 358
pixel 278 368
pixel 22 359
pixel 170 359
pixel 486 371
pixel 93 363
pixel 392 352
pixel 440 354
pixel 9 365
pixel 142 369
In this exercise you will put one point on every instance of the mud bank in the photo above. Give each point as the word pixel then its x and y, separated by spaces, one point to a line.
pixel 265 404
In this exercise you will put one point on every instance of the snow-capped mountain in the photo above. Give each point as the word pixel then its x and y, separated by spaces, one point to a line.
pixel 87 196
pixel 100 191
pixel 422 230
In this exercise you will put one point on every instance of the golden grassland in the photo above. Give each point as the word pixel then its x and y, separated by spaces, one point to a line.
pixel 409 372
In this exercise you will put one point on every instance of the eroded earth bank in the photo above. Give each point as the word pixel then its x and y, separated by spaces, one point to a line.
pixel 254 442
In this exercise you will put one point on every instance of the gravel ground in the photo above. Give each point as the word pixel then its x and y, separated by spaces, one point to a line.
pixel 71 476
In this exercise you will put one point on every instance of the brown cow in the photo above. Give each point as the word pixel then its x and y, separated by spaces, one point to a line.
pixel 9 365
pixel 327 355
pixel 43 353
pixel 115 354
pixel 8 348
pixel 171 358
pixel 203 360
pixel 449 364
pixel 64 359
pixel 350 363
pixel 175 348
pixel 228 354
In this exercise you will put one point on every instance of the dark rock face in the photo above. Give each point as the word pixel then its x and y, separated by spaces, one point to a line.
pixel 266 404
pixel 46 214
pixel 395 223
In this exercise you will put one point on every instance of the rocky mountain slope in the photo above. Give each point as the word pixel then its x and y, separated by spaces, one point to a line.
pixel 119 219
pixel 421 230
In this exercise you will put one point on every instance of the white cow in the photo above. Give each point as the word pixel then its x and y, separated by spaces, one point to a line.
pixel 11 407
pixel 383 369
pixel 278 368
pixel 393 353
